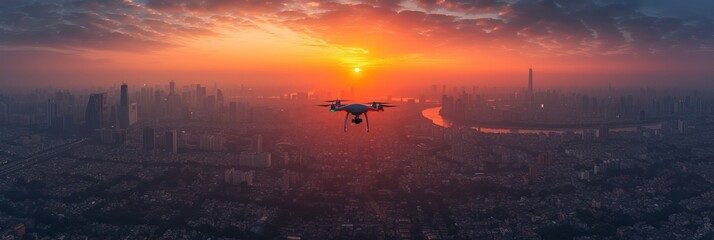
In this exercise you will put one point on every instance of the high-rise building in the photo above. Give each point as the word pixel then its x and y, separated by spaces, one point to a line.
pixel 124 106
pixel 530 79
pixel 259 143
pixel 200 94
pixel 531 95
pixel 173 100
pixel 172 141
pixel 94 114
pixel 206 142
pixel 51 113
pixel 148 137
pixel 172 88
pixel 144 99
pixel 209 104
pixel 133 114
pixel 219 98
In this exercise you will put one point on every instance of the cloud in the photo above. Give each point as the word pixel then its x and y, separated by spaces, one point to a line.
pixel 107 25
pixel 537 28
pixel 252 6
pixel 477 6
pixel 529 27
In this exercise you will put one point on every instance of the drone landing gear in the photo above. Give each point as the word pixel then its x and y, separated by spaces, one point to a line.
pixel 356 120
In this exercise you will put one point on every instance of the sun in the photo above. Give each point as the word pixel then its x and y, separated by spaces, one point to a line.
pixel 357 70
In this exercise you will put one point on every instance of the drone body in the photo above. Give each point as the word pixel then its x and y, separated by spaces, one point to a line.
pixel 356 110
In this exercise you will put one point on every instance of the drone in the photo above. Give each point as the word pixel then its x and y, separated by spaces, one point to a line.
pixel 356 109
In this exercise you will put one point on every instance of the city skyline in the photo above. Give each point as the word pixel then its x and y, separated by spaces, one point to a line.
pixel 455 162
pixel 248 119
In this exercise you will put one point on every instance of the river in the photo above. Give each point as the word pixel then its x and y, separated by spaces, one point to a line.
pixel 433 115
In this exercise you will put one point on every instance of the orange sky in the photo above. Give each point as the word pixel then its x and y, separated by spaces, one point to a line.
pixel 317 44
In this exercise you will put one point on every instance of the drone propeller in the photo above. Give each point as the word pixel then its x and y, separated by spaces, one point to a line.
pixel 324 105
pixel 377 103
pixel 388 106
pixel 337 100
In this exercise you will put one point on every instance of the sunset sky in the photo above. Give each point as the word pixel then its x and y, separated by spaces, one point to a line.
pixel 319 43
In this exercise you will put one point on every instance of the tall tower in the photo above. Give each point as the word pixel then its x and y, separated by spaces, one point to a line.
pixel 51 113
pixel 172 88
pixel 259 143
pixel 94 115
pixel 531 95
pixel 530 79
pixel 171 141
pixel 124 106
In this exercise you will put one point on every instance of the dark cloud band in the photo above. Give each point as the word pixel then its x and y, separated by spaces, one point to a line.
pixel 555 27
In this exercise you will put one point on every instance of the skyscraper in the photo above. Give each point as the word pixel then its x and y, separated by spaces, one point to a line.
pixel 219 98
pixel 124 106
pixel 94 114
pixel 530 79
pixel 133 114
pixel 531 95
pixel 172 88
pixel 200 95
pixel 148 137
pixel 51 113
pixel 259 143
pixel 172 141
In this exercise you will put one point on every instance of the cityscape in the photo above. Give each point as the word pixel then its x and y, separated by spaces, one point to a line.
pixel 224 120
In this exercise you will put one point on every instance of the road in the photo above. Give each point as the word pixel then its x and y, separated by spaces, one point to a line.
pixel 38 157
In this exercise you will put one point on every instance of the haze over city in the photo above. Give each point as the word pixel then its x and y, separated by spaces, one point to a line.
pixel 357 119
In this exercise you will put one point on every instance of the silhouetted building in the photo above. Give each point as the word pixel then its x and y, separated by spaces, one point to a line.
pixel 172 141
pixel 94 114
pixel 148 137
pixel 133 114
pixel 531 95
pixel 200 94
pixel 124 106
pixel 219 97
pixel 209 142
pixel 259 143
pixel 172 88
pixel 51 113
